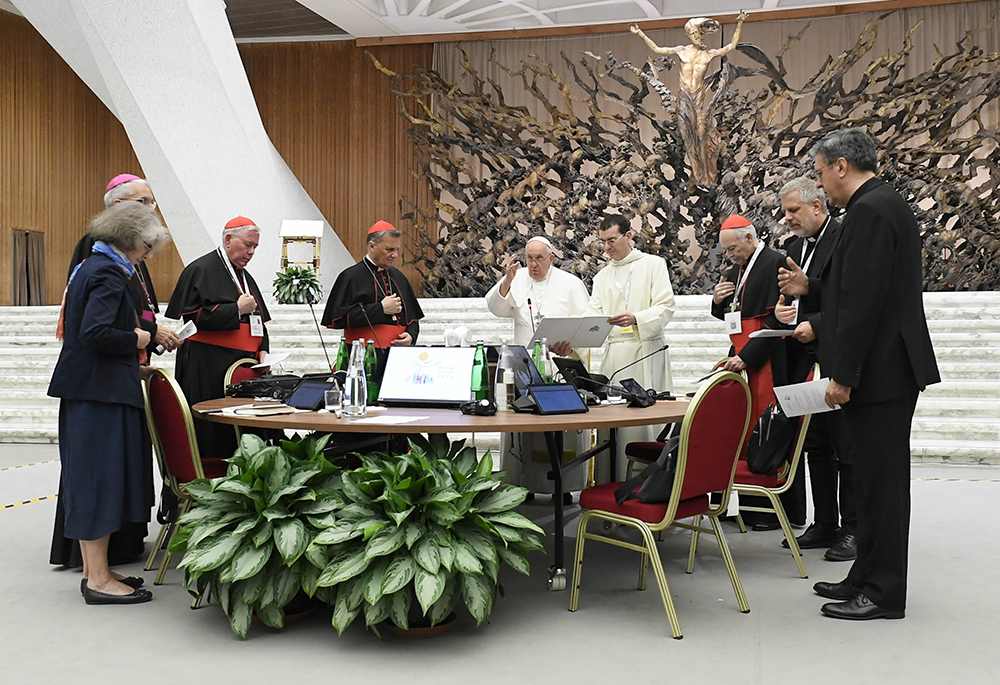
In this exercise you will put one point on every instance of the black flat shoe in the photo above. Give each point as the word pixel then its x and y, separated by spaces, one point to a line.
pixel 839 591
pixel 815 537
pixel 859 608
pixel 846 549
pixel 137 596
pixel 762 526
pixel 134 582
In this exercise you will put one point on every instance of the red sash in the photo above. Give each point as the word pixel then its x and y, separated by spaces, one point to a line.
pixel 384 334
pixel 760 380
pixel 239 339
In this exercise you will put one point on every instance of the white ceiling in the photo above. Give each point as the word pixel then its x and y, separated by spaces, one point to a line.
pixel 374 18
pixel 263 20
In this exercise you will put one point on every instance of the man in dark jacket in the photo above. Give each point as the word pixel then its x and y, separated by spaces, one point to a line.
pixel 877 353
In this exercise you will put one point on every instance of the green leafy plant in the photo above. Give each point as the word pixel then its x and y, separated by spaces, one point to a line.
pixel 297 285
pixel 433 525
pixel 245 538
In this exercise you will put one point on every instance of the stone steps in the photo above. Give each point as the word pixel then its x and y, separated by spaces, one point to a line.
pixel 956 420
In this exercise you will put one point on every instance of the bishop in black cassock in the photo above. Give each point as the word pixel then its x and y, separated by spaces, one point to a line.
pixel 214 291
pixel 373 300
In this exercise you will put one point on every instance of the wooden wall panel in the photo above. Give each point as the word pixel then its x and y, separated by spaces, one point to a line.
pixel 334 119
pixel 59 146
pixel 329 112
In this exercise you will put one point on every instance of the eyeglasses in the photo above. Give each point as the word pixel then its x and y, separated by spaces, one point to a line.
pixel 249 246
pixel 611 242
pixel 145 201
pixel 537 260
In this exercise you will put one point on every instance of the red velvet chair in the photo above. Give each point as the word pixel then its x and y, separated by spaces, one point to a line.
pixel 241 370
pixel 712 435
pixel 772 486
pixel 176 447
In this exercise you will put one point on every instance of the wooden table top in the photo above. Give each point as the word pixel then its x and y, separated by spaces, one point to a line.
pixel 434 420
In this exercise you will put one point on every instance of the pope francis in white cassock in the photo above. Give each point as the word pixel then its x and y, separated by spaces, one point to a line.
pixel 634 292
pixel 551 292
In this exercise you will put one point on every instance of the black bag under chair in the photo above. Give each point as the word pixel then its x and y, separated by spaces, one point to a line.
pixel 770 441
pixel 656 481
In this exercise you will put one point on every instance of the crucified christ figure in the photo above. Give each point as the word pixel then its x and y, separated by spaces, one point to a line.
pixel 695 112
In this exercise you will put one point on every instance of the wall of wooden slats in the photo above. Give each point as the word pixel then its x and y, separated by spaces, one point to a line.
pixel 329 112
pixel 334 119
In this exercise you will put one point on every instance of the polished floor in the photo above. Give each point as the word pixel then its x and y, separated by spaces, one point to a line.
pixel 48 634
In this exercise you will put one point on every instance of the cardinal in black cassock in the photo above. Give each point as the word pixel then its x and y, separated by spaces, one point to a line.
pixel 373 300
pixel 222 298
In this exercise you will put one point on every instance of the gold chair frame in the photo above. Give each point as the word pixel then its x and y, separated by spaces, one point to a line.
pixel 228 381
pixel 788 470
pixel 184 502
pixel 648 551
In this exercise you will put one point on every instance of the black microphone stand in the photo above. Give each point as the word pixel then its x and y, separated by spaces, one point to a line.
pixel 633 363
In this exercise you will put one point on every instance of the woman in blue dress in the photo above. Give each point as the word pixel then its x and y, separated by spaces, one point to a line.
pixel 104 442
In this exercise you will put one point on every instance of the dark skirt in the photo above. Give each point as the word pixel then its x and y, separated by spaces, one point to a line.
pixel 107 467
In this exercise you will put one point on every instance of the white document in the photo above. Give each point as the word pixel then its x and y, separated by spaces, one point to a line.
pixel 390 420
pixel 272 360
pixel 803 398
pixel 578 331
pixel 772 333
pixel 183 333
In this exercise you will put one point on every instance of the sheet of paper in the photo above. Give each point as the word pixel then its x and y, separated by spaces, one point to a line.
pixel 183 333
pixel 387 420
pixel 772 333
pixel 272 360
pixel 803 398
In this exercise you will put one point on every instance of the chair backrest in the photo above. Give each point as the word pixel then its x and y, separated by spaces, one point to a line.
pixel 172 430
pixel 712 435
pixel 242 370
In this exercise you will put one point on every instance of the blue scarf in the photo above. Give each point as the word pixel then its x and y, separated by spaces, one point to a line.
pixel 116 256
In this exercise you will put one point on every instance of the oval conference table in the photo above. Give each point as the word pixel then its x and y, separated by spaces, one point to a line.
pixel 410 420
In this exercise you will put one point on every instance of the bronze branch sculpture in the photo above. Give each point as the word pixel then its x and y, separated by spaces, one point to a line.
pixel 499 175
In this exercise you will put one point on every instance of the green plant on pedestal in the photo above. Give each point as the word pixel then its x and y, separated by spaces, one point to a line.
pixel 245 538
pixel 433 524
pixel 300 285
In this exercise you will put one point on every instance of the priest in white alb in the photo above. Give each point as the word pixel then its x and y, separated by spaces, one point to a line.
pixel 634 292
pixel 529 295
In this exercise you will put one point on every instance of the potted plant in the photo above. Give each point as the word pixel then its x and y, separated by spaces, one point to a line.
pixel 300 285
pixel 244 540
pixel 432 526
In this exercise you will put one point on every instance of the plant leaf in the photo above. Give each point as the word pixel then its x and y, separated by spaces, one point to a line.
pixel 478 596
pixel 373 581
pixel 465 462
pixel 485 467
pixel 399 609
pixel 399 573
pixel 509 534
pixel 443 514
pixel 426 553
pixel 210 557
pixel 446 603
pixel 428 587
pixel 378 612
pixel 271 615
pixel 343 568
pixel 465 558
pixel 340 532
pixel 515 560
pixel 262 534
pixel 439 445
pixel 386 541
pixel 343 616
pixel 239 613
pixel 515 520
pixel 326 502
pixel 482 544
pixel 503 498
pixel 248 561
pixel 291 539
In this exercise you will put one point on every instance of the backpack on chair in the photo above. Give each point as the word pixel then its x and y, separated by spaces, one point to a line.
pixel 656 481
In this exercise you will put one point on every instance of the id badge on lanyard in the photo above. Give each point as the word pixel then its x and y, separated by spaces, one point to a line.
pixel 256 326
pixel 734 324
pixel 256 321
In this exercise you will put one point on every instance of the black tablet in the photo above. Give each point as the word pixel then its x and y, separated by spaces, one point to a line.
pixel 557 399
pixel 308 394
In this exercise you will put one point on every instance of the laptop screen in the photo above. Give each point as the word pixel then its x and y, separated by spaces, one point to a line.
pixel 427 376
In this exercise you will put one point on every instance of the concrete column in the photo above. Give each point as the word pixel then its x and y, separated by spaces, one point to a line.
pixel 171 73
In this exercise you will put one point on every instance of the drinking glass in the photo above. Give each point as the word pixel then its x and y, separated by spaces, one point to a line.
pixel 333 399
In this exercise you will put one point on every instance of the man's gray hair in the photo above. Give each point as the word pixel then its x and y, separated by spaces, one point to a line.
pixel 129 225
pixel 744 231
pixel 238 230
pixel 853 144
pixel 122 191
pixel 379 235
pixel 807 189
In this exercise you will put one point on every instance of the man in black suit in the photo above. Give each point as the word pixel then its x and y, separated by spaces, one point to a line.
pixel 828 450
pixel 744 298
pixel 877 353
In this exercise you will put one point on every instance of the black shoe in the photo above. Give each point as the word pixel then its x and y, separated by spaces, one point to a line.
pixel 137 596
pixel 762 526
pixel 816 536
pixel 859 608
pixel 846 549
pixel 134 582
pixel 839 591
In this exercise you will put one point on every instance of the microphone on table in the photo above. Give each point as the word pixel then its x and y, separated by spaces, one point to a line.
pixel 633 363
pixel 531 316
